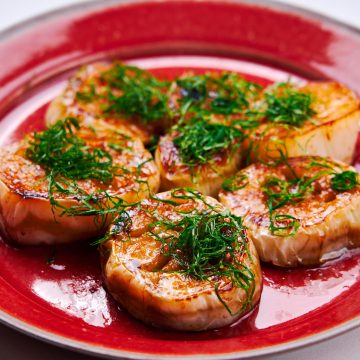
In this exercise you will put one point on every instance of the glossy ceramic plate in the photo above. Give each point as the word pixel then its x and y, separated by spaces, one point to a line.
pixel 56 294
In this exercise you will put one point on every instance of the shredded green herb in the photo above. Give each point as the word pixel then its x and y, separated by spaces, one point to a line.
pixel 340 181
pixel 286 105
pixel 206 247
pixel 59 150
pixel 193 91
pixel 199 140
pixel 142 95
pixel 66 158
pixel 224 94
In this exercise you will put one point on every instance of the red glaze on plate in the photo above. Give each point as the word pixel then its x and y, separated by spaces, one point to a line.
pixel 56 293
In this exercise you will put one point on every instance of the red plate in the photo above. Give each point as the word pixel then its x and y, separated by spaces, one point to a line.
pixel 62 300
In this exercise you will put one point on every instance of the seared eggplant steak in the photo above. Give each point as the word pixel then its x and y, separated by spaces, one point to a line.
pixel 181 261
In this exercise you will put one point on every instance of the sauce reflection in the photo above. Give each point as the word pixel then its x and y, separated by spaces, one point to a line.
pixel 83 298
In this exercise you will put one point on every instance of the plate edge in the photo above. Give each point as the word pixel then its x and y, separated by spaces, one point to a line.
pixel 79 346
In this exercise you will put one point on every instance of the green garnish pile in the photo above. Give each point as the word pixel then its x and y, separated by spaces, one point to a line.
pixel 281 193
pixel 207 246
pixel 64 154
pixel 143 95
pixel 199 140
pixel 286 105
pixel 131 92
pixel 226 94
pixel 67 159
